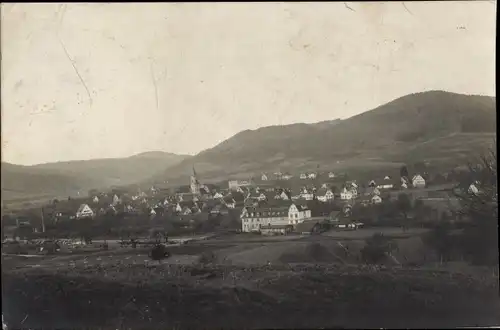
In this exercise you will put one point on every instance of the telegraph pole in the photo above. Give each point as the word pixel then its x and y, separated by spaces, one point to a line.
pixel 43 222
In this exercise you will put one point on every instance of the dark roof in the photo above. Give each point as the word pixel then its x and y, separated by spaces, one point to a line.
pixel 275 226
pixel 306 226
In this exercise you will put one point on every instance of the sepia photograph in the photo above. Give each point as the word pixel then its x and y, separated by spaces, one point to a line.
pixel 249 165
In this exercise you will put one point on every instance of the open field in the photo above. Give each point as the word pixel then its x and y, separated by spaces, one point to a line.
pixel 182 297
pixel 301 281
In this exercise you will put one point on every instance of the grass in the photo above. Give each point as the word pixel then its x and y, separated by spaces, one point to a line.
pixel 310 283
pixel 305 296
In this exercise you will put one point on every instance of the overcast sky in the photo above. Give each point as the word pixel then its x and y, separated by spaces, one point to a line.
pixel 83 81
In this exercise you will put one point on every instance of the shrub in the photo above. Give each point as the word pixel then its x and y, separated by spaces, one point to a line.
pixel 377 248
pixel 207 257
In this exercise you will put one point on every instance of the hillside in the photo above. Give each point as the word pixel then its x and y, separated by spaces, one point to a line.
pixel 383 136
pixel 66 178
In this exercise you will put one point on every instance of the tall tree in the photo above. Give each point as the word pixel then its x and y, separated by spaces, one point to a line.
pixel 480 237
pixel 403 205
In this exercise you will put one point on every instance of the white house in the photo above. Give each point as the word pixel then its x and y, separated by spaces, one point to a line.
pixel 376 199
pixel 346 194
pixel 404 185
pixel 331 175
pixel 178 208
pixel 231 203
pixel 253 218
pixel 473 189
pixel 303 176
pixel 418 181
pixel 385 185
pixel 307 194
pixel 376 191
pixel 84 211
pixel 152 211
pixel 372 184
pixel 218 195
pixel 286 176
pixel 298 213
pixel 116 200
pixel 96 199
pixel 324 195
pixel 311 176
pixel 263 177
pixel 387 177
pixel 282 195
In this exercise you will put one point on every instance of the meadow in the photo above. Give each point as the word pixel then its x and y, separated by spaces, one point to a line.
pixel 304 282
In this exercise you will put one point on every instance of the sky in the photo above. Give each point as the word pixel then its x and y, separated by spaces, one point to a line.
pixel 103 80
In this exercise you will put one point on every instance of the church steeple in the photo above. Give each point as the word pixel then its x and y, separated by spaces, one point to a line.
pixel 195 184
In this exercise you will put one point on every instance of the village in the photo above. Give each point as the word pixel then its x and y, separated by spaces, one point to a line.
pixel 272 204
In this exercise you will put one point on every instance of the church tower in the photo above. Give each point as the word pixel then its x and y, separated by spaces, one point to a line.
pixel 195 184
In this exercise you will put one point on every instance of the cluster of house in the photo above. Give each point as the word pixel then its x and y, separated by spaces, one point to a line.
pixel 287 176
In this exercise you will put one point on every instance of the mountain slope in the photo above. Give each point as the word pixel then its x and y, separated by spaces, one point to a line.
pixel 63 178
pixel 386 134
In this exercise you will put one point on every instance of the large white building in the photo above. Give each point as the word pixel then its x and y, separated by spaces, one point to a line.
pixel 253 218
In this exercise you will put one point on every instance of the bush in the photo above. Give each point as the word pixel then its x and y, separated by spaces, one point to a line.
pixel 207 257
pixel 377 248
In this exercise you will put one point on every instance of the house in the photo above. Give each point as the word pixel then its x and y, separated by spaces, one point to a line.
pixel 372 184
pixel 275 229
pixel 376 191
pixel 282 195
pixel 178 208
pixel 229 202
pixel 253 218
pixel 307 194
pixel 418 181
pixel 96 199
pixel 286 176
pixel 218 195
pixel 311 176
pixel 473 189
pixel 387 177
pixel 116 200
pixel 346 194
pixel 404 185
pixel 263 177
pixel 303 176
pixel 152 212
pixel 308 227
pixel 84 211
pixel 331 175
pixel 324 195
pixel 376 199
pixel 298 213
pixel 385 185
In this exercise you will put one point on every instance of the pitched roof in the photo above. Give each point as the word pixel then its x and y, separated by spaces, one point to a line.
pixel 306 226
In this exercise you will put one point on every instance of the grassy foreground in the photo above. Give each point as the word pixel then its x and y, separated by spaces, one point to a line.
pixel 173 296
